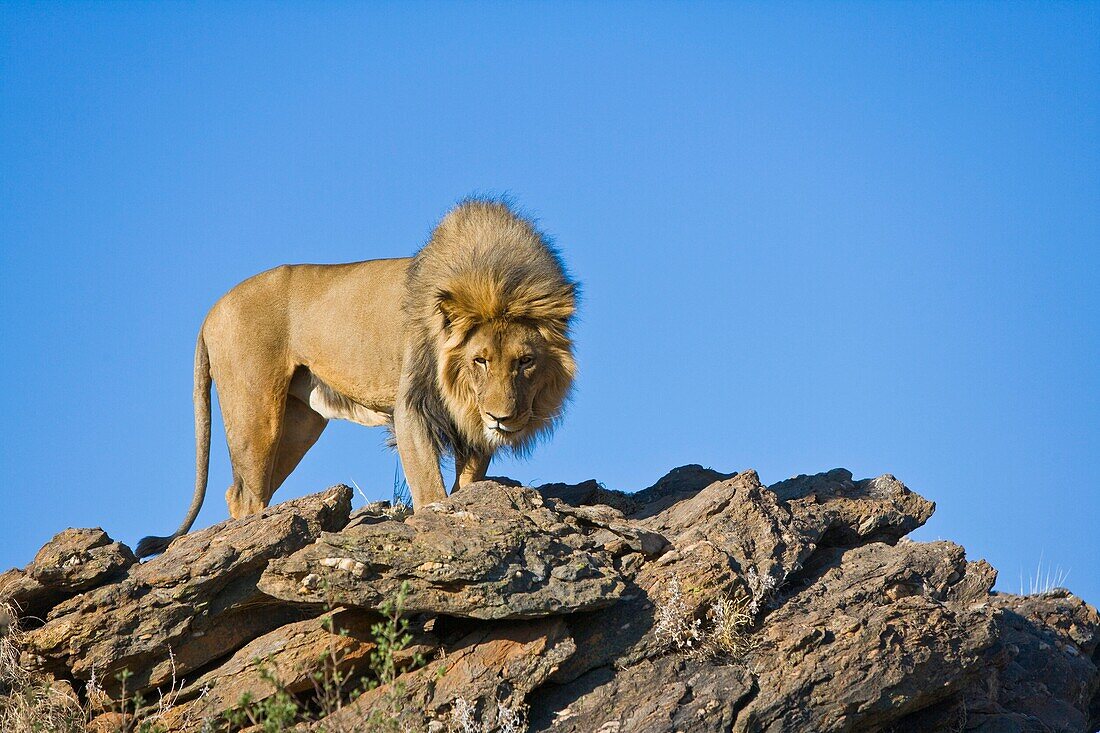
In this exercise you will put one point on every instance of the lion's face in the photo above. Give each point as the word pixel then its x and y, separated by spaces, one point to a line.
pixel 506 369
pixel 513 381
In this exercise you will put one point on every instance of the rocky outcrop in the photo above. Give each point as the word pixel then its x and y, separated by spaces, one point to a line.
pixel 73 561
pixel 707 602
pixel 174 614
pixel 490 670
pixel 499 552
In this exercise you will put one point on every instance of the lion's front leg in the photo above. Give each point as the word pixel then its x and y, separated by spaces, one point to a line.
pixel 418 457
pixel 470 469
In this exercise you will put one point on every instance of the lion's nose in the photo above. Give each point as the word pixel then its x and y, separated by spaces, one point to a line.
pixel 498 418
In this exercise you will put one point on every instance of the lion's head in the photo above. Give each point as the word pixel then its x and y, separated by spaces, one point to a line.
pixel 490 306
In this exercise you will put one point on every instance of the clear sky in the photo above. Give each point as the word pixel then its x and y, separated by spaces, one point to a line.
pixel 810 235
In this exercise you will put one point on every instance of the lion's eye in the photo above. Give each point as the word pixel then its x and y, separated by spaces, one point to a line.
pixel 527 360
pixel 480 361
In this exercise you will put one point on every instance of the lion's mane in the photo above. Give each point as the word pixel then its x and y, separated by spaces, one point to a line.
pixel 489 266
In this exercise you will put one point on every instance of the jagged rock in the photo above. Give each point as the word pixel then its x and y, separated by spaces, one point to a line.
pixel 834 510
pixel 589 493
pixel 662 695
pixel 746 524
pixel 1047 679
pixel 675 486
pixel 880 632
pixel 737 539
pixel 884 630
pixel 490 552
pixel 703 563
pixel 492 666
pixel 291 654
pixel 198 600
pixel 597 608
pixel 73 561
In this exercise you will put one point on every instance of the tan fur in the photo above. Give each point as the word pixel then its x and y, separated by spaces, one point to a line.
pixel 474 328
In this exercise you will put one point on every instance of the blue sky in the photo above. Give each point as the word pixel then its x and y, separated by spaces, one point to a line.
pixel 810 235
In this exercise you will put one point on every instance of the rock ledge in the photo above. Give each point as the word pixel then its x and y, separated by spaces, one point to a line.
pixel 707 602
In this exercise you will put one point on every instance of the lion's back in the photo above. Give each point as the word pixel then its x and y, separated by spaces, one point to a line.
pixel 329 315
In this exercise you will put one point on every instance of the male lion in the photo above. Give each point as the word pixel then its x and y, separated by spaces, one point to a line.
pixel 461 350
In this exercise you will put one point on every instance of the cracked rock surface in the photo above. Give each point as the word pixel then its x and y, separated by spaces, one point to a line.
pixel 489 551
pixel 73 561
pixel 705 602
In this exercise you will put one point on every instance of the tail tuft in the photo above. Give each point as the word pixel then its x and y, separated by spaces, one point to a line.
pixel 153 545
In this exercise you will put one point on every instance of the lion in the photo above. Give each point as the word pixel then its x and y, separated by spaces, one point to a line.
pixel 461 350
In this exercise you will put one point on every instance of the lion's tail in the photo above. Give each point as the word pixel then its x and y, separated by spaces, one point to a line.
pixel 156 545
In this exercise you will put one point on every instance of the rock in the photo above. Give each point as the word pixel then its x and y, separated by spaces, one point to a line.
pixel 339 642
pixel 881 632
pixel 198 601
pixel 73 561
pixel 733 538
pixel 833 510
pixel 664 695
pixel 109 723
pixel 488 552
pixel 1047 679
pixel 675 486
pixel 617 535
pixel 747 525
pixel 78 559
pixel 486 669
pixel 736 539
pixel 589 493
pixel 707 602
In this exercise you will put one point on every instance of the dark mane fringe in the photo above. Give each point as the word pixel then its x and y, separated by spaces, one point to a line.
pixel 483 262
pixel 423 398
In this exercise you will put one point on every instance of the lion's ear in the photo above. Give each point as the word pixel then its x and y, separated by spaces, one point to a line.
pixel 445 304
pixel 556 306
pixel 456 316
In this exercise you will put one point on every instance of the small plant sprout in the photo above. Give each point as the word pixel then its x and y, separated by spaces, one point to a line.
pixel 391 635
pixel 762 588
pixel 463 718
pixel 511 720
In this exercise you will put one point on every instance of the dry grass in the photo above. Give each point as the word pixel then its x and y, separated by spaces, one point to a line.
pixel 463 719
pixel 1045 579
pixel 35 703
pixel 674 626
pixel 727 638
pixel 31 703
pixel 724 637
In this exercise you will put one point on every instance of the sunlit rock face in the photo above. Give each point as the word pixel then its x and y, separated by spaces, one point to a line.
pixel 706 602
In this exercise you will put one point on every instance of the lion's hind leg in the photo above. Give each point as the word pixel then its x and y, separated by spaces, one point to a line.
pixel 253 408
pixel 302 426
